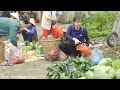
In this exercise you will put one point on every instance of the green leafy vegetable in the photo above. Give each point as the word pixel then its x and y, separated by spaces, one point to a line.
pixel 71 69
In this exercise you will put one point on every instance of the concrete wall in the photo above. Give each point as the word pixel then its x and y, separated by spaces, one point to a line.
pixel 39 15
pixel 68 15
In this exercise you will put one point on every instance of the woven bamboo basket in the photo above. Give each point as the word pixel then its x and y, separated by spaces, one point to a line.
pixel 48 45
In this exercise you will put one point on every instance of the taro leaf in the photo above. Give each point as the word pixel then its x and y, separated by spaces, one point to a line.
pixel 53 76
pixel 69 74
pixel 71 68
pixel 61 67
pixel 50 73
pixel 73 75
pixel 57 76
pixel 65 68
pixel 72 71
pixel 86 67
pixel 80 74
pixel 50 76
pixel 53 71
pixel 63 76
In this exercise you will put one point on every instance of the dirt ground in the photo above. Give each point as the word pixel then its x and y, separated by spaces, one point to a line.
pixel 36 69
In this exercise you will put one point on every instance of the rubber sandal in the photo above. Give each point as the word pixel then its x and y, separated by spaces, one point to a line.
pixel 7 63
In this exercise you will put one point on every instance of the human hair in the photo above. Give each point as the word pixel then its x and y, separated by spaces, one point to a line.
pixel 21 12
pixel 22 24
pixel 31 24
pixel 77 18
pixel 22 21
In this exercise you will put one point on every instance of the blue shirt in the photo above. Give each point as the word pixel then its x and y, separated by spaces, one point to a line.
pixel 32 32
pixel 81 34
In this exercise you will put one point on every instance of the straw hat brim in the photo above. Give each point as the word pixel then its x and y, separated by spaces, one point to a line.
pixel 32 21
pixel 15 15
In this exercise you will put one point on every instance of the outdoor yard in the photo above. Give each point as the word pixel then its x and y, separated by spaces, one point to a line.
pixel 37 68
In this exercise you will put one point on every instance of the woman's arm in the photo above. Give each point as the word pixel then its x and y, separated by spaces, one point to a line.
pixel 48 16
pixel 69 37
pixel 52 19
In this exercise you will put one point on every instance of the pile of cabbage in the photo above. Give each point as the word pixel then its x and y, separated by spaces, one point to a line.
pixel 81 68
pixel 106 69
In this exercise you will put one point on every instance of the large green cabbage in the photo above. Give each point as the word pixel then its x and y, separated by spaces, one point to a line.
pixel 101 75
pixel 100 72
pixel 116 64
pixel 89 75
pixel 97 68
pixel 106 62
pixel 111 72
pixel 117 76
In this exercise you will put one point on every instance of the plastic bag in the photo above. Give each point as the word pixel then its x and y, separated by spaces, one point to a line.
pixel 84 49
pixel 16 55
pixel 55 52
pixel 84 58
pixel 97 55
pixel 58 13
pixel 59 29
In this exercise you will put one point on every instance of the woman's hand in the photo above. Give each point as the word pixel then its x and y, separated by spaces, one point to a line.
pixel 76 41
pixel 52 19
pixel 92 46
pixel 17 38
pixel 23 28
pixel 26 29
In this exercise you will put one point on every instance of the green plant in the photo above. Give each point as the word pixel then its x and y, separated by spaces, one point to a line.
pixel 99 23
pixel 72 68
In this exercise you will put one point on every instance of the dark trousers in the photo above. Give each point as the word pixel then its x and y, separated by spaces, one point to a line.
pixel 24 34
pixel 34 37
pixel 69 48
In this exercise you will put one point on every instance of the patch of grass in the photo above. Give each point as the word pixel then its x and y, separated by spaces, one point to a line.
pixel 95 33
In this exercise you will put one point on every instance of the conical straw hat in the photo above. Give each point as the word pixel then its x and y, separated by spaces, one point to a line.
pixel 15 15
pixel 32 21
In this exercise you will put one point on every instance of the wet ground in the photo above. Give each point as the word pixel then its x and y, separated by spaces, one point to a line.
pixel 37 69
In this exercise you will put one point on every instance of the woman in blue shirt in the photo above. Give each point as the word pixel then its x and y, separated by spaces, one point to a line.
pixel 30 33
pixel 75 34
